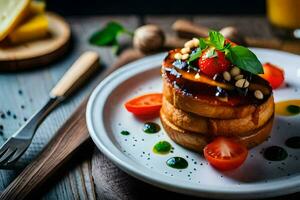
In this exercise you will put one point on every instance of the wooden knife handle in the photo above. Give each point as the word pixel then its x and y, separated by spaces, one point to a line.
pixel 64 144
pixel 76 75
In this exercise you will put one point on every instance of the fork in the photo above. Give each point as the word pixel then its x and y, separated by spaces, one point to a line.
pixel 18 143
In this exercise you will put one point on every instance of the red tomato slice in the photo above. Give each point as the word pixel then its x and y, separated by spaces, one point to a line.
pixel 273 74
pixel 148 104
pixel 225 153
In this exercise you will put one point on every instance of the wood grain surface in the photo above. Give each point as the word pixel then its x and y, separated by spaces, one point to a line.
pixel 70 137
pixel 89 175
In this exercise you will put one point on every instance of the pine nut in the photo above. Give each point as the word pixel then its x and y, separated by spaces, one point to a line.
pixel 185 56
pixel 226 76
pixel 185 50
pixel 178 56
pixel 235 71
pixel 189 44
pixel 197 76
pixel 238 77
pixel 258 94
pixel 242 83
pixel 196 42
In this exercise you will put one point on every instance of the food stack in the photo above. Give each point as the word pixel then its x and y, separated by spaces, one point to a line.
pixel 200 103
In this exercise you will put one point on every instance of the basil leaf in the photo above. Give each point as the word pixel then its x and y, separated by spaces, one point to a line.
pixel 108 35
pixel 202 44
pixel 226 46
pixel 216 39
pixel 195 55
pixel 210 53
pixel 245 59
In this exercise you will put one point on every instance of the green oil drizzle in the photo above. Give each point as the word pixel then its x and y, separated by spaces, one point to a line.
pixel 293 109
pixel 151 127
pixel 162 147
pixel 293 142
pixel 275 153
pixel 125 132
pixel 177 163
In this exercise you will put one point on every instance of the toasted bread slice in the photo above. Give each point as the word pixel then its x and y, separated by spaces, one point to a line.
pixel 222 127
pixel 205 106
pixel 185 138
pixel 197 142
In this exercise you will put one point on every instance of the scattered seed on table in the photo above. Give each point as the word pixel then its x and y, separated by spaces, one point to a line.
pixel 1 127
pixel 15 116
pixel 20 92
pixel 25 119
pixel 2 115
pixel 8 113
pixel 22 106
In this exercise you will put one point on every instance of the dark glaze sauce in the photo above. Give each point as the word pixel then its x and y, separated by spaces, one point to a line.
pixel 275 153
pixel 177 163
pixel 293 142
pixel 207 92
pixel 151 127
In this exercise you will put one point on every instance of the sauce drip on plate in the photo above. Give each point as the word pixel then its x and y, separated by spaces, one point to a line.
pixel 125 132
pixel 288 108
pixel 275 153
pixel 162 147
pixel 293 142
pixel 177 163
pixel 151 127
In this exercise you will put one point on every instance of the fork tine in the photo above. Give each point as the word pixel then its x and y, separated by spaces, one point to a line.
pixel 4 148
pixel 2 151
pixel 16 155
pixel 10 152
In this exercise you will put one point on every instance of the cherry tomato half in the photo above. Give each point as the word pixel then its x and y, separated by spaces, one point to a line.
pixel 213 65
pixel 233 44
pixel 273 74
pixel 148 104
pixel 225 153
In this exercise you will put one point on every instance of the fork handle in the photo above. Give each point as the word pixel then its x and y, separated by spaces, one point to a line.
pixel 79 71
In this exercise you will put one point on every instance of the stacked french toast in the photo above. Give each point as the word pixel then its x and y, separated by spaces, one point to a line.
pixel 211 88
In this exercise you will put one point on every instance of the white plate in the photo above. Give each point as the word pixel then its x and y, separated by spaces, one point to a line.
pixel 256 178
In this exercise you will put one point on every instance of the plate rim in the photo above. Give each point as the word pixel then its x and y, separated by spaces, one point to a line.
pixel 286 187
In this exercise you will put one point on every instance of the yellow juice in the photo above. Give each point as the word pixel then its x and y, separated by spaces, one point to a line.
pixel 284 13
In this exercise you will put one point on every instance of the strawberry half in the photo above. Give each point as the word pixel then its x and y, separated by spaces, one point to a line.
pixel 213 62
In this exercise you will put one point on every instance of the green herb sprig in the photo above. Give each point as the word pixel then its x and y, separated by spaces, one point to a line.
pixel 108 36
pixel 240 56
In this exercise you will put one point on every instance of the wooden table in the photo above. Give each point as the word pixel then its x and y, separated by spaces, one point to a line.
pixel 89 175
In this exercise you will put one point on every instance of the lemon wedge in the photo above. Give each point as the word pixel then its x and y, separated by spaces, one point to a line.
pixel 11 12
pixel 34 28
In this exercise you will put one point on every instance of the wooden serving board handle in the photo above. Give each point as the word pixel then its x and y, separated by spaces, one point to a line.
pixel 186 28
pixel 67 140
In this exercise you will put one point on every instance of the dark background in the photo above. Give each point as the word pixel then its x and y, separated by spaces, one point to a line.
pixel 142 7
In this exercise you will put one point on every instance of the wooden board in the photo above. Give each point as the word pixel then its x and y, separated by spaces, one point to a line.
pixel 38 52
